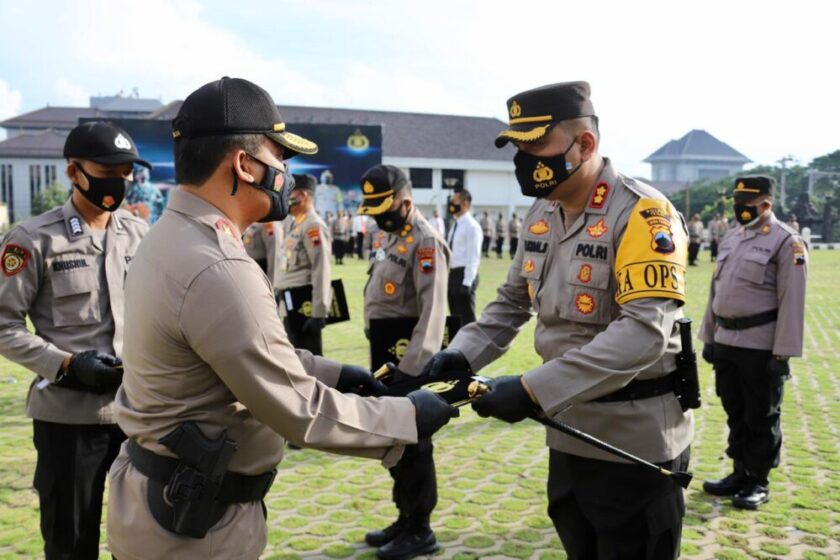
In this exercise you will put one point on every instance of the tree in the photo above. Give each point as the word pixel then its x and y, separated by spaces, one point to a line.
pixel 48 198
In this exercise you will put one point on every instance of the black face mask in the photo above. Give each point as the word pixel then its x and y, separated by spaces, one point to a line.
pixel 539 176
pixel 279 195
pixel 454 208
pixel 392 220
pixel 745 214
pixel 105 193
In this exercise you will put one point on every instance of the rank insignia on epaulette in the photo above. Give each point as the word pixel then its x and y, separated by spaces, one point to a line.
pixel 798 253
pixel 225 227
pixel 268 229
pixel 426 259
pixel 598 229
pixel 599 195
pixel 585 303
pixel 539 227
pixel 765 229
pixel 14 259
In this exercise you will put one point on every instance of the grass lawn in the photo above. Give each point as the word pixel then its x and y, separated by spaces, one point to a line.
pixel 492 476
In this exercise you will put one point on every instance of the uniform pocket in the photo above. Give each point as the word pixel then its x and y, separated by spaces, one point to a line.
pixel 753 267
pixel 720 262
pixel 532 270
pixel 390 281
pixel 76 299
pixel 589 274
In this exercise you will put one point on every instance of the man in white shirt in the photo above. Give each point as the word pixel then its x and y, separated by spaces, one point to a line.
pixel 438 224
pixel 465 242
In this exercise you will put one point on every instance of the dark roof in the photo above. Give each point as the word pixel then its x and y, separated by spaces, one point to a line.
pixel 123 104
pixel 43 144
pixel 52 117
pixel 420 135
pixel 697 145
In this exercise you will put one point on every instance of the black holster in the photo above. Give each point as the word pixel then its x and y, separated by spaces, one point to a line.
pixel 686 380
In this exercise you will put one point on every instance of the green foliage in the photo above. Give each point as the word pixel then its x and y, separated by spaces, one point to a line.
pixel 48 198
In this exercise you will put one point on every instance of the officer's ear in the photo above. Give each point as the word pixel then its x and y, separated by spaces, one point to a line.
pixel 588 144
pixel 76 176
pixel 243 166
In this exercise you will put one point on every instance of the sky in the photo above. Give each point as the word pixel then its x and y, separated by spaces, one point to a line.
pixel 760 75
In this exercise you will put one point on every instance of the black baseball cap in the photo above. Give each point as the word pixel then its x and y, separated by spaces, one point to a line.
pixel 236 106
pixel 534 112
pixel 750 186
pixel 103 143
pixel 305 181
pixel 380 184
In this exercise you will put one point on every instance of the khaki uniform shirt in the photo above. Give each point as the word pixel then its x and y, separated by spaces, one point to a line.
pixel 718 230
pixel 341 229
pixel 68 279
pixel 515 228
pixel 759 269
pixel 204 343
pixel 486 225
pixel 307 260
pixel 500 229
pixel 695 231
pixel 407 278
pixel 265 241
pixel 606 303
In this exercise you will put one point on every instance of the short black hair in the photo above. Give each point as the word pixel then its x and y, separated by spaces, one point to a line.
pixel 197 158
pixel 465 195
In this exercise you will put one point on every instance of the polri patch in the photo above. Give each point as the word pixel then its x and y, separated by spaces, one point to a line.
pixel 426 259
pixel 314 235
pixel 585 273
pixel 15 258
pixel 585 303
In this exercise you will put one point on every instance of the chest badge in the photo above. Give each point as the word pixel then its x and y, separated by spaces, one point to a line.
pixel 389 288
pixel 585 303
pixel 402 249
pixel 540 227
pixel 529 266
pixel 598 229
pixel 585 273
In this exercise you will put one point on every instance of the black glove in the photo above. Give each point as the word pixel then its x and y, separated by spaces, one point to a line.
pixel 359 381
pixel 779 368
pixel 93 371
pixel 313 325
pixel 507 400
pixel 709 352
pixel 464 291
pixel 431 412
pixel 446 360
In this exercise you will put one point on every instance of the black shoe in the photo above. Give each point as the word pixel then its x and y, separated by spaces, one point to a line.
pixel 408 545
pixel 386 535
pixel 727 486
pixel 751 496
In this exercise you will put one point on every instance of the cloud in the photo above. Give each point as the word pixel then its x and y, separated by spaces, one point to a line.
pixel 68 93
pixel 10 101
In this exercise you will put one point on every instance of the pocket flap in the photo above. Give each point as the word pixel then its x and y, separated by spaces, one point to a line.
pixel 589 274
pixel 76 282
pixel 532 267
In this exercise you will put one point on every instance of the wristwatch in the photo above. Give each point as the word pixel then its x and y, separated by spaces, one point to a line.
pixel 781 358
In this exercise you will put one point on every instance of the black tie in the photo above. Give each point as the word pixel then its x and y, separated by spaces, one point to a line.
pixel 452 236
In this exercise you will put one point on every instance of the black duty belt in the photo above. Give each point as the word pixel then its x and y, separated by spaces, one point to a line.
pixel 235 489
pixel 748 322
pixel 639 389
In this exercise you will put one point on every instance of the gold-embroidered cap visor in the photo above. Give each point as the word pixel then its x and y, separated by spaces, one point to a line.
pixel 293 144
pixel 524 132
pixel 375 204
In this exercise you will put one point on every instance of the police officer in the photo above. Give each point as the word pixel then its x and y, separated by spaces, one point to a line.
pixel 500 235
pixel 486 224
pixel 306 264
pixel 602 262
pixel 514 230
pixel 752 326
pixel 212 385
pixel 64 270
pixel 340 229
pixel 264 243
pixel 408 277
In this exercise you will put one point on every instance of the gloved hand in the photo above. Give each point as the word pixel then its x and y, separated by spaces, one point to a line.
pixel 446 360
pixel 93 371
pixel 431 412
pixel 359 381
pixel 464 291
pixel 709 352
pixel 313 325
pixel 779 368
pixel 507 400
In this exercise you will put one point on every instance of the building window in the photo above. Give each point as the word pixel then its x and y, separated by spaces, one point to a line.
pixel 49 175
pixel 7 189
pixel 420 178
pixel 453 179
pixel 35 180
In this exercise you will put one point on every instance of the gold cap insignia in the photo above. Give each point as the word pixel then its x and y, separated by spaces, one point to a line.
pixel 515 110
pixel 279 127
pixel 367 187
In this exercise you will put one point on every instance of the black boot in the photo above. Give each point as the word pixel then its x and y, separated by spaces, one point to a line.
pixel 408 544
pixel 386 535
pixel 729 485
pixel 751 496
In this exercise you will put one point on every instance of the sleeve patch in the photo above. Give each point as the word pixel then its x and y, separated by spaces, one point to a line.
pixel 798 253
pixel 651 259
pixel 14 259
pixel 314 235
pixel 426 259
